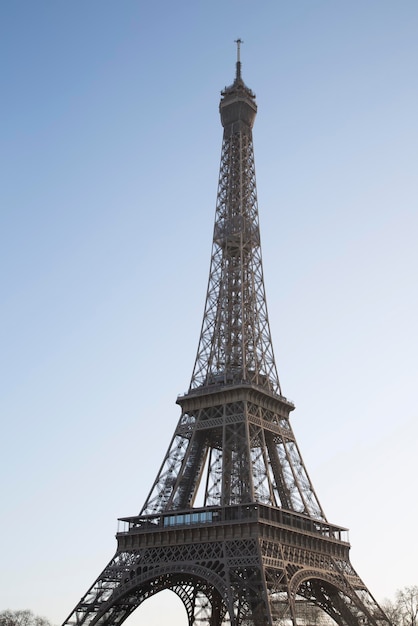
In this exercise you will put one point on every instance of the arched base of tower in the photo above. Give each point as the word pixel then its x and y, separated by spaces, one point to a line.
pixel 251 570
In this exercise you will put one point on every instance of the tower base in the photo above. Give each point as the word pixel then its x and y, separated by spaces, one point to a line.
pixel 244 565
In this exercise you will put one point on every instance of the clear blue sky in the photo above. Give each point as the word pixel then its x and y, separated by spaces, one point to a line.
pixel 110 146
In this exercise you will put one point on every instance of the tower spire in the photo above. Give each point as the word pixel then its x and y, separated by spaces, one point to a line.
pixel 238 66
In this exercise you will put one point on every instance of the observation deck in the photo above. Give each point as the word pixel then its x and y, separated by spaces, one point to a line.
pixel 241 521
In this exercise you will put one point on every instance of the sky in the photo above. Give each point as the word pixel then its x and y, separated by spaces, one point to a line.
pixel 109 159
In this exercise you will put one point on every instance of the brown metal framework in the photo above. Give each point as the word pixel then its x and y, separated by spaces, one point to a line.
pixel 232 523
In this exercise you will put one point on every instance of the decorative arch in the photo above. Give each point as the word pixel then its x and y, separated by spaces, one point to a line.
pixel 202 591
pixel 332 593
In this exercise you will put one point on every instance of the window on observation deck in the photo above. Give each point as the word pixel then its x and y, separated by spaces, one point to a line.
pixel 202 517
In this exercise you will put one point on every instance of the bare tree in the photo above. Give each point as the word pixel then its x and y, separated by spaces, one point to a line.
pixel 407 603
pixel 403 611
pixel 391 611
pixel 22 618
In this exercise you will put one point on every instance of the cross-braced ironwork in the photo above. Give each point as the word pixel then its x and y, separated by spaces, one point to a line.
pixel 232 523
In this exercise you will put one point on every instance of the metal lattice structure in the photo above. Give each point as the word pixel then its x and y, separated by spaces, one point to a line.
pixel 232 523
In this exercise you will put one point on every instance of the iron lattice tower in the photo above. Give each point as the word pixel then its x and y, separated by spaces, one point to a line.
pixel 232 523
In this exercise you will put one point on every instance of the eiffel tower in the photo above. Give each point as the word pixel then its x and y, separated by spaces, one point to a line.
pixel 232 523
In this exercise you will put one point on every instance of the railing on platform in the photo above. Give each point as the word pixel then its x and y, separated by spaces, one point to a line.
pixel 233 514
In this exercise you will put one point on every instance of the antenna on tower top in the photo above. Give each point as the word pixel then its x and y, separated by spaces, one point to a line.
pixel 238 42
